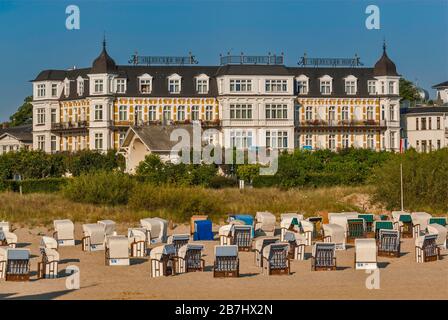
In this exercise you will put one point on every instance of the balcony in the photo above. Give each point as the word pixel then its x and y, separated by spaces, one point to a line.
pixel 78 126
pixel 341 124
pixel 204 123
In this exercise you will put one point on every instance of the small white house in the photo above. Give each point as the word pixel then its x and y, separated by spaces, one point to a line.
pixel 16 138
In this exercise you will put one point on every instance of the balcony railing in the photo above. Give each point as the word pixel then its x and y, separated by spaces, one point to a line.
pixel 342 123
pixel 69 125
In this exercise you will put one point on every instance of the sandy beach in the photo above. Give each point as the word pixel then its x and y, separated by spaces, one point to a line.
pixel 400 278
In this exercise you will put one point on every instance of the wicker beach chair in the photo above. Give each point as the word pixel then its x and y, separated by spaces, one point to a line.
pixel 265 223
pixel 382 225
pixel 368 222
pixel 365 254
pixel 18 265
pixel 441 233
pixel 317 228
pixel 178 240
pixel 162 260
pixel 426 248
pixel 290 222
pixel 355 229
pixel 403 223
pixel 388 243
pixel 308 229
pixel 297 243
pixel 226 263
pixel 323 256
pixel 4 226
pixel 259 245
pixel 117 251
pixel 3 261
pixel 420 221
pixel 334 233
pixel 8 239
pixel 94 237
pixel 189 258
pixel 156 229
pixel 242 219
pixel 438 220
pixel 276 260
pixel 48 267
pixel 64 231
pixel 109 227
pixel 137 242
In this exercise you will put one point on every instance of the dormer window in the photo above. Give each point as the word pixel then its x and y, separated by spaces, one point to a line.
pixel 350 85
pixel 67 88
pixel 80 87
pixel 98 86
pixel 202 83
pixel 371 86
pixel 41 90
pixel 325 84
pixel 174 83
pixel 302 84
pixel 145 83
pixel 121 86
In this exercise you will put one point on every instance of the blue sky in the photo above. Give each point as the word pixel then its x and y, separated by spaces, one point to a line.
pixel 34 36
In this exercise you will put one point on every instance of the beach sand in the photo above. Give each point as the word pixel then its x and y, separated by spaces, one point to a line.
pixel 400 278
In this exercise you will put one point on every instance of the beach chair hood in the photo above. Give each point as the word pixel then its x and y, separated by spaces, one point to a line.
pixel 48 242
pixel 158 252
pixel 398 216
pixel 109 226
pixel 365 250
pixel 65 229
pixel 226 251
pixel 419 241
pixel 307 226
pixel 4 225
pixel 323 246
pixel 225 230
pixel 157 227
pixel 336 231
pixel 267 221
pixel 178 237
pixel 52 254
pixel 182 252
pixel 95 231
pixel 10 237
pixel 118 247
pixel 421 218
pixel 203 230
pixel 18 254
pixel 440 231
pixel 268 250
pixel 341 220
pixel 136 235
pixel 261 242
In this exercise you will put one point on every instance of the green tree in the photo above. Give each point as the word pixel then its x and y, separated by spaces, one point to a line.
pixel 24 115
pixel 408 91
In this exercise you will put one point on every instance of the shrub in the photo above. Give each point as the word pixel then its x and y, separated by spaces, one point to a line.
pixel 219 182
pixel 102 187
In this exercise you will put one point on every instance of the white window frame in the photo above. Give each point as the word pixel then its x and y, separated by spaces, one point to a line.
pixel 54 90
pixel 41 142
pixel 202 84
pixel 326 85
pixel 350 85
pixel 276 139
pixel 240 85
pixel 180 114
pixel 145 81
pixel 40 116
pixel 276 85
pixel 123 113
pixel 276 111
pixel 152 113
pixel 41 90
pixel 195 114
pixel 241 139
pixel 98 112
pixel 174 84
pixel 98 86
pixel 98 137
pixel 120 86
pixel 371 86
pixel 240 111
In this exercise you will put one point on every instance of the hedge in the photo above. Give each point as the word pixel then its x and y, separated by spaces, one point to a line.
pixel 46 185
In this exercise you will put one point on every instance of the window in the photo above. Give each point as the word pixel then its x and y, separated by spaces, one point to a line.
pixel 276 139
pixel 121 137
pixel 53 143
pixel 98 86
pixel 67 88
pixel 98 141
pixel 302 86
pixel 152 113
pixel 308 140
pixel 166 113
pixel 423 145
pixel 332 142
pixel 417 143
pixel 392 140
pixel 370 115
pixel 370 141
pixel 80 87
pixel 54 90
pixel 344 113
pixel 98 109
pixel 243 85
pixel 40 116
pixel 308 113
pixel 430 123
pixel 195 113
pixel 138 115
pixel 423 122
pixel 202 86
pixel 416 123
pixel 53 116
pixel 392 113
pixel 350 87
pixel 41 90
pixel 123 113
pixel 325 87
pixel 121 85
pixel 438 144
pixel 41 143
pixel 209 113
pixel 276 111
pixel 332 113
pixel 240 111
pixel 276 85
pixel 391 87
pixel 383 87
pixel 345 141
pixel 181 113
pixel 75 115
pixel 438 123
pixel 145 85
pixel 371 86
pixel 240 139
pixel 174 85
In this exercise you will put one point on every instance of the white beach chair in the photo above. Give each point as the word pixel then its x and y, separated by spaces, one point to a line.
pixel 178 240
pixel 3 261
pixel 275 259
pixel 260 243
pixel 8 239
pixel 137 242
pixel 365 254
pixel 389 243
pixel 225 234
pixel 441 233
pixel 290 222
pixel 308 231
pixel 403 223
pixel 64 232
pixel 265 223
pixel 18 265
pixel 156 229
pixel 297 243
pixel 334 233
pixel 162 259
pixel 426 248
pixel 341 220
pixel 94 237
pixel 109 227
pixel 323 256
pixel 48 243
pixel 227 263
pixel 48 267
pixel 117 251
pixel 4 225
pixel 189 258
pixel 420 221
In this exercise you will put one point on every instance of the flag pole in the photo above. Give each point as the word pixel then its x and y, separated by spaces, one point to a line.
pixel 401 185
